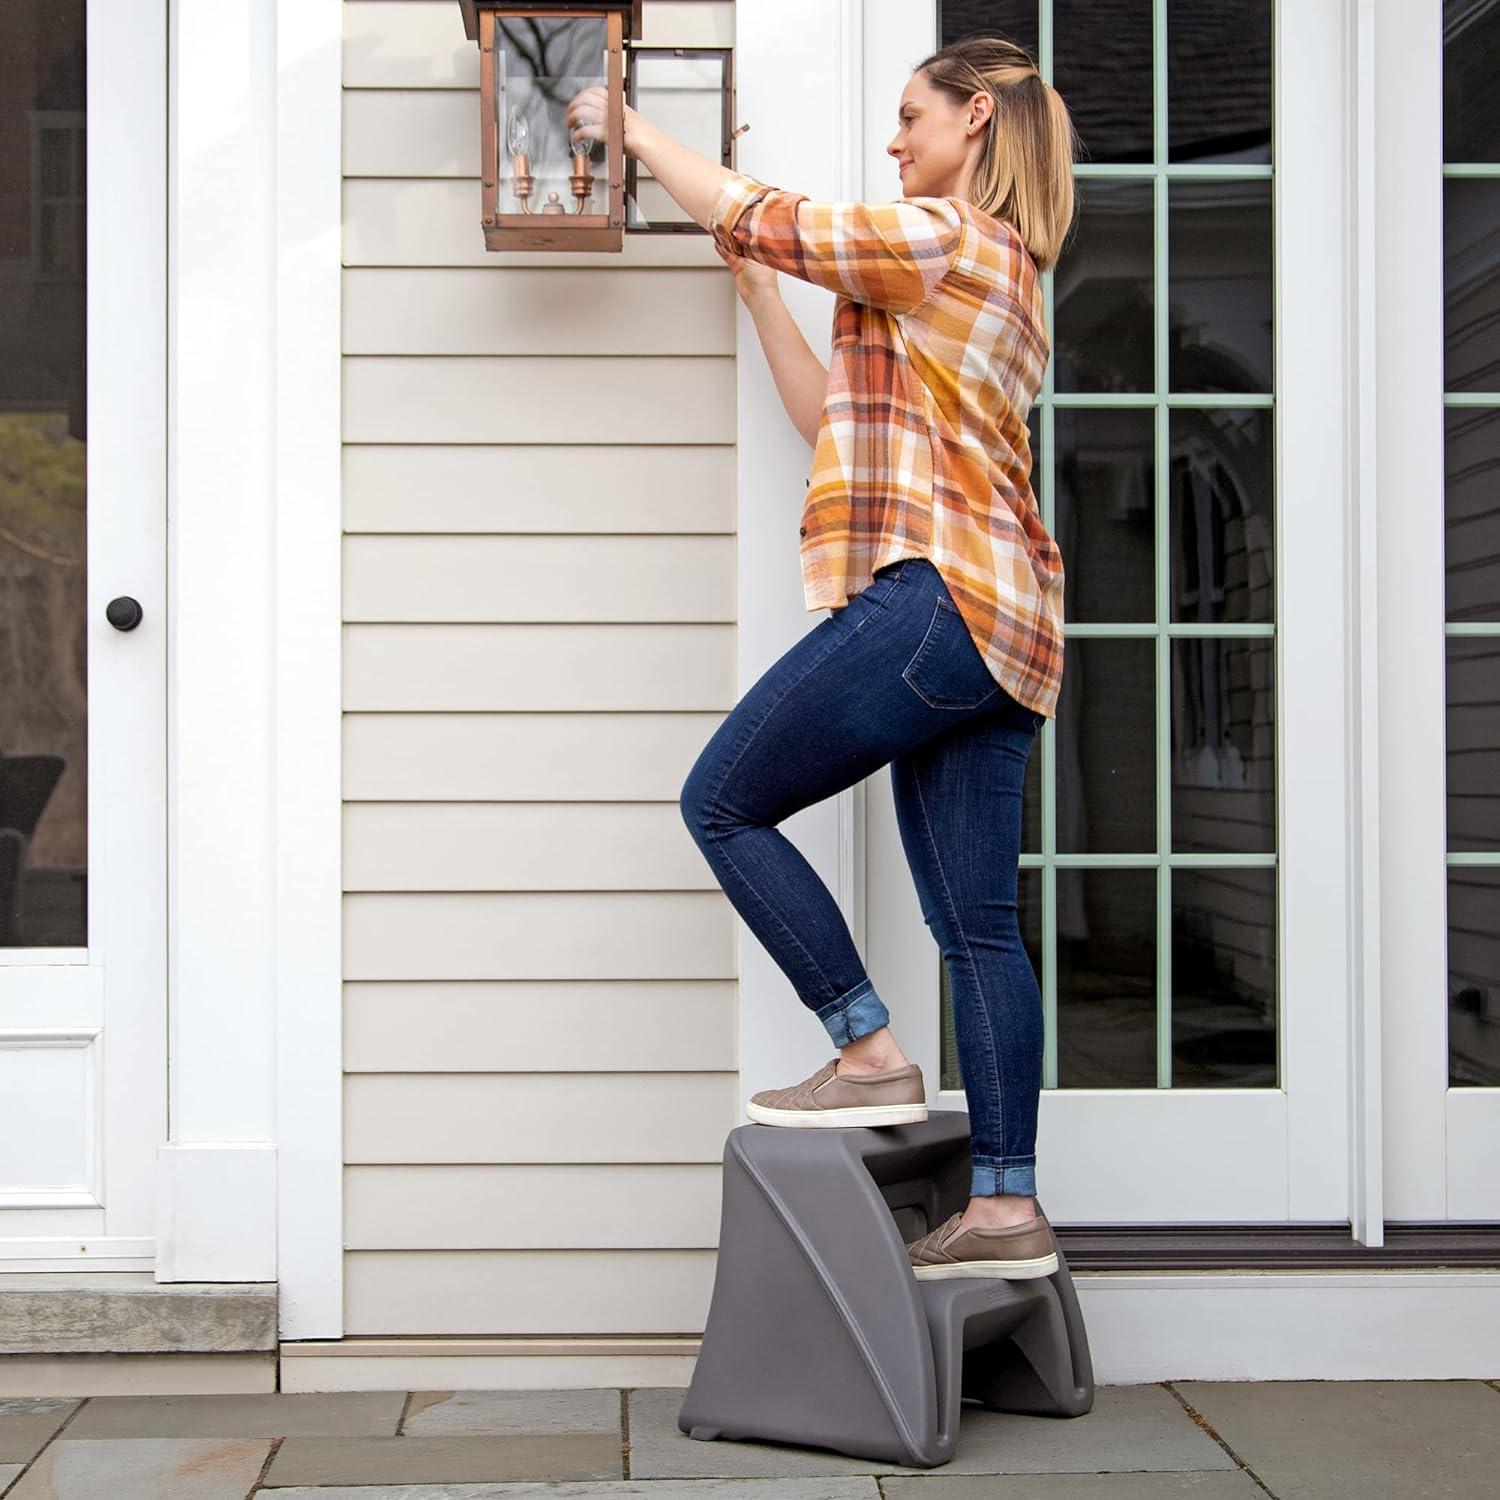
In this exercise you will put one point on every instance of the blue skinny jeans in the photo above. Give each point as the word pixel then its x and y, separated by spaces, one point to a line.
pixel 891 678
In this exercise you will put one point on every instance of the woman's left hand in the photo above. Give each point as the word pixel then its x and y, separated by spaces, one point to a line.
pixel 588 116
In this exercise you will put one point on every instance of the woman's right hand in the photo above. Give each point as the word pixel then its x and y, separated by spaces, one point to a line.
pixel 751 279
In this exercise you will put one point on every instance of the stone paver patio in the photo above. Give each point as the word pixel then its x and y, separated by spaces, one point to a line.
pixel 1234 1441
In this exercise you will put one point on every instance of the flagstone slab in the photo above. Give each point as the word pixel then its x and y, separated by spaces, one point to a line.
pixel 434 1413
pixel 27 1423
pixel 268 1414
pixel 144 1469
pixel 445 1460
pixel 1332 1439
pixel 626 1489
pixel 1131 1428
pixel 1234 1485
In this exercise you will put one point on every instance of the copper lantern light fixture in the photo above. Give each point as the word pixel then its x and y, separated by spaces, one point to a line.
pixel 539 189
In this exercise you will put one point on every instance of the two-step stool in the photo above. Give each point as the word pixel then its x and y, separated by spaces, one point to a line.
pixel 818 1332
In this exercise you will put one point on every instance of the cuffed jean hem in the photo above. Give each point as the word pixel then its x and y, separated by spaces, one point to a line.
pixel 1016 1175
pixel 854 1015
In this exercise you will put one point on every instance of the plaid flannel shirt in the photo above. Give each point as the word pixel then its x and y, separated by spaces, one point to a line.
pixel 939 346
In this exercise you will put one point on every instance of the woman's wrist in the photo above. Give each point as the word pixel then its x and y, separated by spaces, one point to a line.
pixel 635 128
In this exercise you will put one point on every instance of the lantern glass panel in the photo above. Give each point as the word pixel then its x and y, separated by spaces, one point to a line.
pixel 541 62
pixel 684 95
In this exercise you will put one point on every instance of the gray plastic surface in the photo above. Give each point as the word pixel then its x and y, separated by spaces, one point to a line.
pixel 819 1334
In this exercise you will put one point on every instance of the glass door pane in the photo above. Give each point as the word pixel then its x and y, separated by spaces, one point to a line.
pixel 1471 333
pixel 1148 886
pixel 43 481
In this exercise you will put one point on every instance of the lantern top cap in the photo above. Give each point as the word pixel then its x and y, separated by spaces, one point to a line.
pixel 630 9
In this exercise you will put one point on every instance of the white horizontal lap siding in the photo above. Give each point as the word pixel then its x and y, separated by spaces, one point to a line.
pixel 539 608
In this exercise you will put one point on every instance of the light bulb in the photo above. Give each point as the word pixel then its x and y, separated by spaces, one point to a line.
pixel 516 134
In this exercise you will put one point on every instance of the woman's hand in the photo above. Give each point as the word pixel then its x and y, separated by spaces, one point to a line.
pixel 588 115
pixel 751 279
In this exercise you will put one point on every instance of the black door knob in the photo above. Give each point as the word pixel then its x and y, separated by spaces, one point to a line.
pixel 123 613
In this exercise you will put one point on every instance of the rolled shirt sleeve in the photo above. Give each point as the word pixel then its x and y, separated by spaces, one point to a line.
pixel 887 255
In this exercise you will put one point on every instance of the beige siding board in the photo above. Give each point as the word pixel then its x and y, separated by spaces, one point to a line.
pixel 481 1292
pixel 481 399
pixel 542 1206
pixel 532 487
pixel 504 579
pixel 397 221
pixel 396 1118
pixel 421 43
pixel 539 935
pixel 519 846
pixel 512 310
pixel 556 1025
pixel 635 667
pixel 479 757
pixel 412 133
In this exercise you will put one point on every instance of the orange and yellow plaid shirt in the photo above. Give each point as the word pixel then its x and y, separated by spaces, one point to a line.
pixel 939 347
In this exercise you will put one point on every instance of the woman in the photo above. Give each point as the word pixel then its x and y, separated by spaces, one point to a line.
pixel 943 654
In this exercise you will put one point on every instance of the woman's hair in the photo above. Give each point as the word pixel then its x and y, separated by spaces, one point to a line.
pixel 1025 170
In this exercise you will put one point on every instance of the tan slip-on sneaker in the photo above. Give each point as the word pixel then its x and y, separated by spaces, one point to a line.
pixel 830 1098
pixel 1016 1253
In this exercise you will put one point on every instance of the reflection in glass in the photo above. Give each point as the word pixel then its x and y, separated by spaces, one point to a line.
pixel 43 483
pixel 1107 88
pixel 1102 288
pixel 1015 20
pixel 1224 978
pixel 1219 286
pixel 541 62
pixel 1223 746
pixel 1219 81
pixel 1474 976
pixel 1471 284
pixel 1105 507
pixel 1471 64
pixel 1473 743
pixel 1472 513
pixel 1222 547
pixel 1106 748
pixel 1106 978
pixel 1029 916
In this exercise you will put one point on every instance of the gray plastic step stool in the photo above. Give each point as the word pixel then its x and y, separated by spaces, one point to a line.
pixel 819 1334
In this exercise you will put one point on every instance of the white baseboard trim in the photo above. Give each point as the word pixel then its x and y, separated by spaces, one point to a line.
pixel 216 1211
pixel 137 1374
pixel 1303 1325
pixel 1188 1325
pixel 486 1364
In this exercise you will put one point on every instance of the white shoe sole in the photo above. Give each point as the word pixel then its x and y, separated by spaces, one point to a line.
pixel 1011 1270
pixel 815 1119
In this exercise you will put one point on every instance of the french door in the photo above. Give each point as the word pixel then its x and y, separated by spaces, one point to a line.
pixel 1184 886
pixel 82 691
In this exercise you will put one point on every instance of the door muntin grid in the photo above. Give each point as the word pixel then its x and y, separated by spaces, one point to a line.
pixel 1148 888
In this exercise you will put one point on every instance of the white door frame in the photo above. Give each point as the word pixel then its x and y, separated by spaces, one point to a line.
pixel 1223 1155
pixel 1243 1165
pixel 103 1005
pixel 1440 1143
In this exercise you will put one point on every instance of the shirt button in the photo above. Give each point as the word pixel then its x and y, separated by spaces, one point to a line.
pixel 802 531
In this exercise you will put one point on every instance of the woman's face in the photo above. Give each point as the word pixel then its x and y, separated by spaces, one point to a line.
pixel 938 141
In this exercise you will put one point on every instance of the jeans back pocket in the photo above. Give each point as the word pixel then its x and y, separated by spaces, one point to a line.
pixel 947 670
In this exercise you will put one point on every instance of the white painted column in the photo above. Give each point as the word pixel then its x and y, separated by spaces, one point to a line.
pixel 253 669
pixel 1409 459
pixel 217 1174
